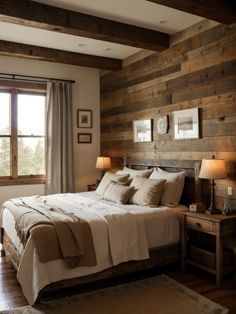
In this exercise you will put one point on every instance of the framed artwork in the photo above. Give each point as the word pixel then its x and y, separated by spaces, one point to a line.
pixel 186 124
pixel 84 118
pixel 84 138
pixel 162 125
pixel 142 130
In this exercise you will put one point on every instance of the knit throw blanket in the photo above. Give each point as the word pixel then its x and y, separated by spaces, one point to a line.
pixel 55 232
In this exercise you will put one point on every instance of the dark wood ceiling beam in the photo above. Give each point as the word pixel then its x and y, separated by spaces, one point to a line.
pixel 51 18
pixel 223 11
pixel 11 49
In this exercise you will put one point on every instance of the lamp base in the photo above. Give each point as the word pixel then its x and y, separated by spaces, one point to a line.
pixel 211 211
pixel 212 208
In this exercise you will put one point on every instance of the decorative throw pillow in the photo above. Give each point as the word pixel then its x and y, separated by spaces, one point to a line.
pixel 107 178
pixel 117 192
pixel 147 191
pixel 173 186
pixel 133 172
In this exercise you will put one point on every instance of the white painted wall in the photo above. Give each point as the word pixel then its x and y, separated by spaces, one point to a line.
pixel 86 95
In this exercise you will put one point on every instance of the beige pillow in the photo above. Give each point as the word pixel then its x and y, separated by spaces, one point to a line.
pixel 173 186
pixel 147 191
pixel 118 193
pixel 107 178
pixel 134 172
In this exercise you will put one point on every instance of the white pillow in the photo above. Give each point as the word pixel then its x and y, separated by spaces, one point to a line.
pixel 118 193
pixel 147 191
pixel 133 172
pixel 173 186
pixel 107 178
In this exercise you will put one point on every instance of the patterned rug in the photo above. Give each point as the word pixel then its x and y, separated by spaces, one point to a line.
pixel 157 295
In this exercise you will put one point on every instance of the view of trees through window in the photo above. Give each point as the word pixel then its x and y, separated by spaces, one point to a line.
pixel 28 138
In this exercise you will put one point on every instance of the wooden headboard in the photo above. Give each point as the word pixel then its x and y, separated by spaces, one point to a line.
pixel 192 186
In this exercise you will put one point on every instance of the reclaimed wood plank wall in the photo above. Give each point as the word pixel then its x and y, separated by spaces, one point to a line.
pixel 198 70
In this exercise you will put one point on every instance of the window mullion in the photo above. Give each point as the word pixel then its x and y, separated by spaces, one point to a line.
pixel 14 150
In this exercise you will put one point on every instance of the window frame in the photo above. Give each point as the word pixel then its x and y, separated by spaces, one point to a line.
pixel 15 88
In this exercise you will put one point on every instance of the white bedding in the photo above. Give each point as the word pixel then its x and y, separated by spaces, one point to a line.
pixel 148 227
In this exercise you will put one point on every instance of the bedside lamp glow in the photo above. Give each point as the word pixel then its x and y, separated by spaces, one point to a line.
pixel 213 169
pixel 103 163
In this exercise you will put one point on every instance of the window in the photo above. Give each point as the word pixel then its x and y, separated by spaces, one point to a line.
pixel 22 137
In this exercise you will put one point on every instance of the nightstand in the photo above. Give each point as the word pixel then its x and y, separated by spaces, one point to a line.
pixel 202 242
pixel 92 187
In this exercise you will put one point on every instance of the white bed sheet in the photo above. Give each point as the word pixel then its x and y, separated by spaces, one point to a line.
pixel 161 225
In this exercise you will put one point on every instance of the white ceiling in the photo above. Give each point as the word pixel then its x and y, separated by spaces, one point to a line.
pixel 137 12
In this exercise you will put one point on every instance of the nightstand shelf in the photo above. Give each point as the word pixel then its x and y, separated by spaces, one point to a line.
pixel 202 243
pixel 226 270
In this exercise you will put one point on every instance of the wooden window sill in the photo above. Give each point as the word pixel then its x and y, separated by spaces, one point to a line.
pixel 22 181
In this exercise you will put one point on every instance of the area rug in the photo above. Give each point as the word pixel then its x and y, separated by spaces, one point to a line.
pixel 157 295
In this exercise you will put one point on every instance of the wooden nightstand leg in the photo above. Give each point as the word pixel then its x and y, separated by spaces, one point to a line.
pixel 183 243
pixel 219 256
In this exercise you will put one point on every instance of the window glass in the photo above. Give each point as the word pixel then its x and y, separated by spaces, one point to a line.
pixel 31 156
pixel 5 156
pixel 4 113
pixel 31 114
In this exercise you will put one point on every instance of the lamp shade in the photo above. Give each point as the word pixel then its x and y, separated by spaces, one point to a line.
pixel 213 169
pixel 103 163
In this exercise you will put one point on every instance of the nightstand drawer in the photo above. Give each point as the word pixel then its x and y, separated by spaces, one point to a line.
pixel 200 225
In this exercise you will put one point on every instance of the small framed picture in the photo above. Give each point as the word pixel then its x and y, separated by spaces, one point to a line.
pixel 84 138
pixel 162 125
pixel 84 118
pixel 142 130
pixel 186 124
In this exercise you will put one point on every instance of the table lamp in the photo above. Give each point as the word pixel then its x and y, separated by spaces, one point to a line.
pixel 213 169
pixel 103 163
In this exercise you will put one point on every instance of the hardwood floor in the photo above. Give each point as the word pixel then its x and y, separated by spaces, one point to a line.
pixel 10 290
pixel 11 295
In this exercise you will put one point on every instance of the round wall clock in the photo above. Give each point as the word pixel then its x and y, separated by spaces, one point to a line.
pixel 162 125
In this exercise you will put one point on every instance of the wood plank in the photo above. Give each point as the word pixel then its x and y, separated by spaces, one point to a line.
pixel 217 144
pixel 136 57
pixel 125 97
pixel 217 10
pixel 156 74
pixel 213 107
pixel 22 85
pixel 218 128
pixel 161 99
pixel 11 49
pixel 157 155
pixel 221 51
pixel 218 88
pixel 33 14
pixel 176 54
pixel 193 30
pixel 207 75
pixel 147 92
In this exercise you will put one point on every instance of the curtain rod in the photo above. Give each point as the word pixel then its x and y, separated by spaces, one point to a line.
pixel 30 78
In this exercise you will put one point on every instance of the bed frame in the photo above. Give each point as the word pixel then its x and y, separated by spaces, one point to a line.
pixel 159 256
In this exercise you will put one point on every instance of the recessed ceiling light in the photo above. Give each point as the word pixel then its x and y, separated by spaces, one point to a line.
pixel 164 21
pixel 108 49
pixel 81 45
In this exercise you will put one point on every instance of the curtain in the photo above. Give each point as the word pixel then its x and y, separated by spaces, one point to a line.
pixel 59 138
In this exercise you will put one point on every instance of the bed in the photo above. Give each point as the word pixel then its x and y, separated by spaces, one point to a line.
pixel 155 229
